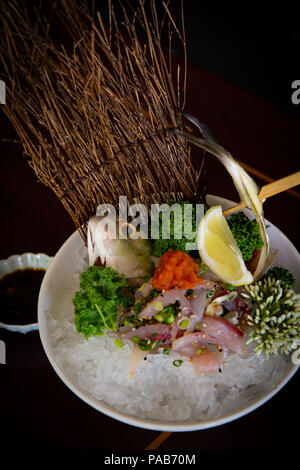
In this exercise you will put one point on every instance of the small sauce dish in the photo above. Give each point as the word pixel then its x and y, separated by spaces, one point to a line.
pixel 20 280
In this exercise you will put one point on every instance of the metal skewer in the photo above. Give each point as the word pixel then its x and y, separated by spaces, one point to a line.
pixel 266 191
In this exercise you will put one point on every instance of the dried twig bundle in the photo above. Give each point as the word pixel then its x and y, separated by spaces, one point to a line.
pixel 93 116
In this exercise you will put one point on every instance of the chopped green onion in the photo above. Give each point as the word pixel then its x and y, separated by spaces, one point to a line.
pixel 229 287
pixel 153 335
pixel 154 293
pixel 159 317
pixel 201 350
pixel 210 294
pixel 119 343
pixel 197 326
pixel 144 346
pixel 184 323
pixel 142 287
pixel 177 362
pixel 136 339
pixel 138 306
pixel 169 319
pixel 158 305
pixel 203 269
pixel 166 351
pixel 189 292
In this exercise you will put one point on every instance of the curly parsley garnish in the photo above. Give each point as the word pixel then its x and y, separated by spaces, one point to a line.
pixel 103 290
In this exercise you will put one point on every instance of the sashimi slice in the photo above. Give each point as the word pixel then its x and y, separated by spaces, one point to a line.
pixel 189 344
pixel 155 332
pixel 198 304
pixel 207 362
pixel 137 356
pixel 164 299
pixel 224 333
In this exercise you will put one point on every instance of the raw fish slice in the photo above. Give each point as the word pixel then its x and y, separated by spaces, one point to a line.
pixel 137 356
pixel 127 256
pixel 194 345
pixel 143 291
pixel 189 344
pixel 171 296
pixel 208 362
pixel 198 304
pixel 224 333
pixel 155 332
pixel 165 299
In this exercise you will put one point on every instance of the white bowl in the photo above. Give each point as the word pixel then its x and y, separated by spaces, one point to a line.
pixel 15 262
pixel 58 279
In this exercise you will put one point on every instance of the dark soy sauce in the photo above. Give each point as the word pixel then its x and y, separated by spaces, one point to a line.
pixel 19 293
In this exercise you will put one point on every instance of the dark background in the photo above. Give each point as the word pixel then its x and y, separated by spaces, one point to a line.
pixel 252 46
pixel 242 61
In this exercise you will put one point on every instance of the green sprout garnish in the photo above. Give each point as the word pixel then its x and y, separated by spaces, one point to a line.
pixel 275 317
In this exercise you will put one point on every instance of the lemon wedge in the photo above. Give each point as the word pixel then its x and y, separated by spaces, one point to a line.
pixel 218 249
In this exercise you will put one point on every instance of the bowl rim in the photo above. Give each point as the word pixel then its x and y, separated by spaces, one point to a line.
pixel 146 423
pixel 26 327
pixel 26 253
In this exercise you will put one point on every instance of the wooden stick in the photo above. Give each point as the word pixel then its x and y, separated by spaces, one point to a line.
pixel 279 186
pixel 233 209
pixel 158 441
pixel 271 189
pixel 259 174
